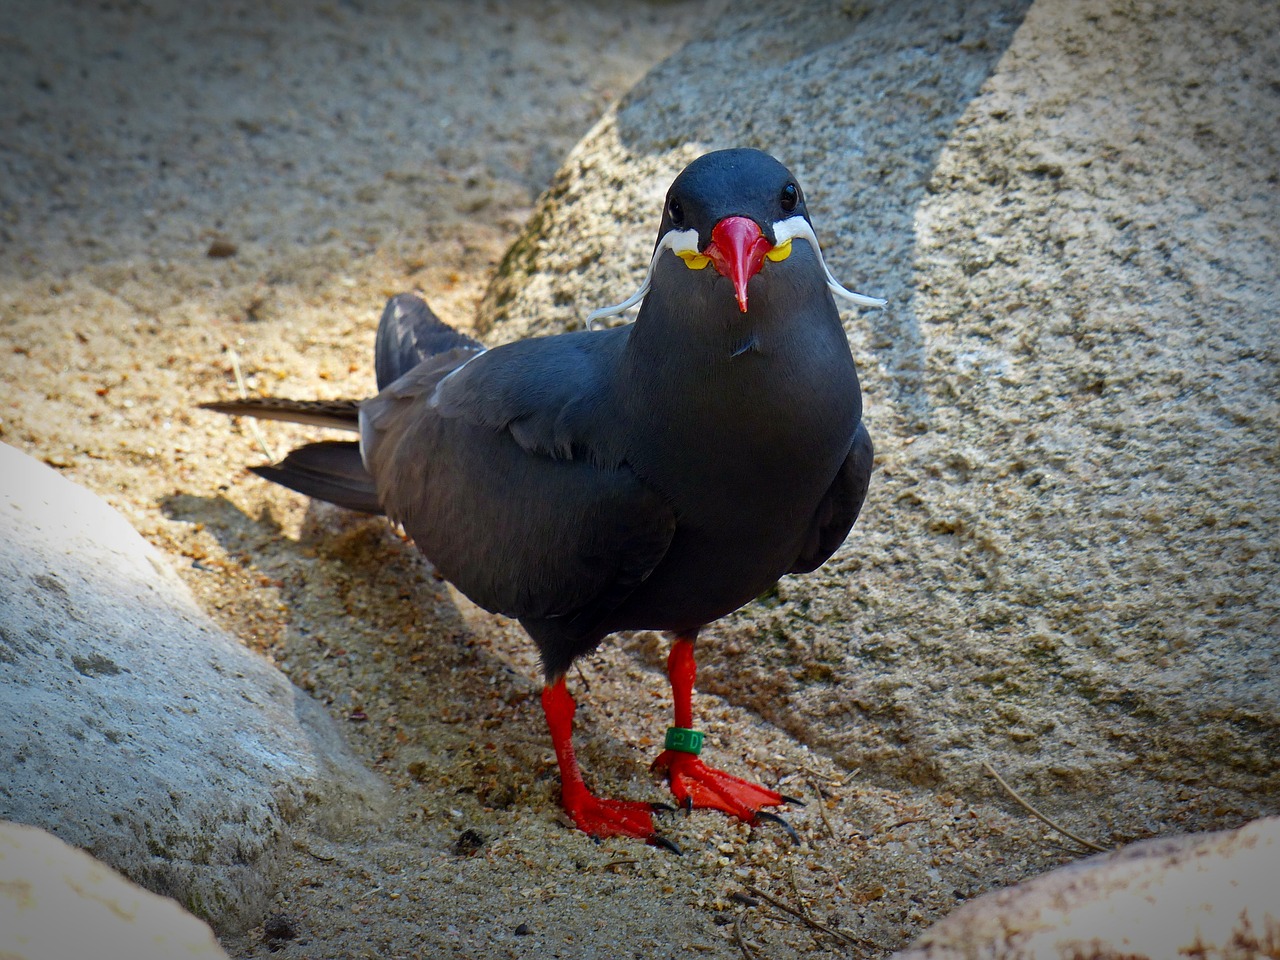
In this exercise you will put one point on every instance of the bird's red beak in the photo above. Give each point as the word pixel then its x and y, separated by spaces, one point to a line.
pixel 737 250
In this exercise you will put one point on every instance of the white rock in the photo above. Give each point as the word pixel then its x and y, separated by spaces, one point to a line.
pixel 58 903
pixel 1200 895
pixel 131 726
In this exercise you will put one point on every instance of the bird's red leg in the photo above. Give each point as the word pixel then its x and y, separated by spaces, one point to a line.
pixel 692 781
pixel 593 815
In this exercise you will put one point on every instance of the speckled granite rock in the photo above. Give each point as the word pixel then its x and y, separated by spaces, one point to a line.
pixel 1066 565
pixel 1197 895
pixel 132 727
pixel 58 903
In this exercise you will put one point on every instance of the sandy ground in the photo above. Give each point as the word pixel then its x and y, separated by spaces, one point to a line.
pixel 188 189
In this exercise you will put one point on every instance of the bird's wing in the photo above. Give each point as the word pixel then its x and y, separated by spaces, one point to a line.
pixel 492 468
pixel 543 391
pixel 839 509
pixel 410 332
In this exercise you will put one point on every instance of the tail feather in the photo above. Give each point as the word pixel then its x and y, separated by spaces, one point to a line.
pixel 408 333
pixel 330 470
pixel 337 414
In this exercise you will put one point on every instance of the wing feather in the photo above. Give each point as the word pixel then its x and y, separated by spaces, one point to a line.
pixel 495 470
pixel 838 510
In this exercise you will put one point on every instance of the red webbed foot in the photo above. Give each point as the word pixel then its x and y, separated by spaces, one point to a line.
pixel 601 817
pixel 695 784
pixel 597 817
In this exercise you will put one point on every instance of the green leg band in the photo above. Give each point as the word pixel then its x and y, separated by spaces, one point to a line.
pixel 684 740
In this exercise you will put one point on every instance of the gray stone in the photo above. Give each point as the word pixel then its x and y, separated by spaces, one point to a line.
pixel 131 726
pixel 1066 565
pixel 1197 895
pixel 58 903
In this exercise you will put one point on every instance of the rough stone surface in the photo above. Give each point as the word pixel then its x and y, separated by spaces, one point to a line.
pixel 1197 895
pixel 134 728
pixel 1066 565
pixel 58 903
pixel 351 151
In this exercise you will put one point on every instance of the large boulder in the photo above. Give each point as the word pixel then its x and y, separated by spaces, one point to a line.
pixel 58 903
pixel 1066 564
pixel 131 726
pixel 1196 895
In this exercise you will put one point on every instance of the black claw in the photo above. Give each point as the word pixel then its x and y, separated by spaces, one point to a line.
pixel 786 799
pixel 688 805
pixel 768 817
pixel 662 808
pixel 658 840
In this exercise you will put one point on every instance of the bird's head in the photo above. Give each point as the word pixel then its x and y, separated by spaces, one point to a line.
pixel 734 211
pixel 727 211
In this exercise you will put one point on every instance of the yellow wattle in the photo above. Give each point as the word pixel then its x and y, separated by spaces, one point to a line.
pixel 693 259
pixel 780 252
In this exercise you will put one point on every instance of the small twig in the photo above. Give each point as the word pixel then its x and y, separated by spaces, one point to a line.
pixel 795 890
pixel 742 944
pixel 1040 816
pixel 822 806
pixel 839 783
pixel 244 395
pixel 795 886
pixel 786 908
pixel 799 897
pixel 903 823
pixel 299 845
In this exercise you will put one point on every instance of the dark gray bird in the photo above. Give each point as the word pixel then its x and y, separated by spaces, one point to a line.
pixel 656 475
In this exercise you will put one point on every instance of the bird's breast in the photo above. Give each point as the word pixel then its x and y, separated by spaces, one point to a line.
pixel 752 441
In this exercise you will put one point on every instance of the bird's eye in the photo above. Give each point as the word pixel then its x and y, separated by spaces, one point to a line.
pixel 675 211
pixel 790 197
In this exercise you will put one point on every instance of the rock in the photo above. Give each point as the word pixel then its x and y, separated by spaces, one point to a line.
pixel 57 902
pixel 220 248
pixel 131 726
pixel 822 85
pixel 1066 563
pixel 1198 895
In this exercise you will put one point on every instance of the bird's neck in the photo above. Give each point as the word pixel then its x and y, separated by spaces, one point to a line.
pixel 722 388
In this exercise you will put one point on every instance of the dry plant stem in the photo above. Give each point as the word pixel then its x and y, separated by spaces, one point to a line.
pixel 795 888
pixel 742 944
pixel 785 908
pixel 307 850
pixel 244 395
pixel 801 905
pixel 903 823
pixel 1040 816
pixel 822 806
